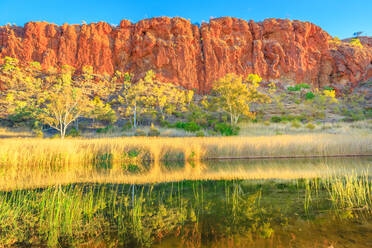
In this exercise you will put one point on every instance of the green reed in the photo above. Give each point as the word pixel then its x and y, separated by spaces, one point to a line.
pixel 196 212
pixel 74 214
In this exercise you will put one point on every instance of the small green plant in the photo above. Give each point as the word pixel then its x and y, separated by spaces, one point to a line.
pixel 73 132
pixel 106 129
pixel 153 132
pixel 267 123
pixel 212 132
pixel 226 129
pixel 298 87
pixel 328 88
pixel 126 127
pixel 276 119
pixel 296 124
pixel 188 126
pixel 200 133
pixel 191 127
pixel 139 132
pixel 309 95
pixel 310 126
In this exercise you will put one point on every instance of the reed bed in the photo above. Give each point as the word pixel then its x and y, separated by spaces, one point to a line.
pixel 82 151
pixel 27 163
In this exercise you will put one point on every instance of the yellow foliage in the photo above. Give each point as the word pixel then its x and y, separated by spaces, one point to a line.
pixel 235 96
pixel 331 95
pixel 356 42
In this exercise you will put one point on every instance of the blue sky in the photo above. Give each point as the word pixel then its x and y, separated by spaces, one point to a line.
pixel 338 17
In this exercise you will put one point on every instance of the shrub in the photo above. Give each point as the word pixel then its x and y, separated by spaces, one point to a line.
pixel 38 133
pixel 200 134
pixel 73 132
pixel 140 132
pixel 191 127
pixel 164 123
pixel 133 168
pixel 22 117
pixel 212 132
pixel 267 123
pixel 309 95
pixel 296 124
pixel 105 129
pixel 356 42
pixel 127 126
pixel 226 129
pixel 180 125
pixel 276 119
pixel 153 132
pixel 310 126
pixel 188 126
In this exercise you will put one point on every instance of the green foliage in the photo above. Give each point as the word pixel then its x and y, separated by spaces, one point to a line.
pixel 188 126
pixel 309 95
pixel 191 127
pixel 197 114
pixel 276 119
pixel 139 132
pixel 127 126
pixel 296 124
pixel 328 88
pixel 212 132
pixel 298 87
pixel 200 133
pixel 22 116
pixel 103 111
pixel 73 132
pixel 153 132
pixel 310 126
pixel 226 129
pixel 105 130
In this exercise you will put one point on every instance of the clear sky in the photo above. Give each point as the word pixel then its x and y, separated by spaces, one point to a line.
pixel 338 17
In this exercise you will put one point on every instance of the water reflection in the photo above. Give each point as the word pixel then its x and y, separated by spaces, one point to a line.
pixel 133 170
pixel 224 213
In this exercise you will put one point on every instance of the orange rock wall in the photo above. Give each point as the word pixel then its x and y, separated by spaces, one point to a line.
pixel 193 56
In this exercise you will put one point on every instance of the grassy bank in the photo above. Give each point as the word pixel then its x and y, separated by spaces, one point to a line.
pixel 82 151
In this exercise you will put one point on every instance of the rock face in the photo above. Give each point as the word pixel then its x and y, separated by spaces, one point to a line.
pixel 193 56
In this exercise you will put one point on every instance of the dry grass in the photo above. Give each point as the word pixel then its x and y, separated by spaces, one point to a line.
pixel 34 151
pixel 15 132
pixel 33 162
pixel 346 128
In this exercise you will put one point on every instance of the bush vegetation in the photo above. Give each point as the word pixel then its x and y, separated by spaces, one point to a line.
pixel 87 101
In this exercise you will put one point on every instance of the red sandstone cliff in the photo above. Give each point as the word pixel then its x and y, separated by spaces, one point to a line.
pixel 191 56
